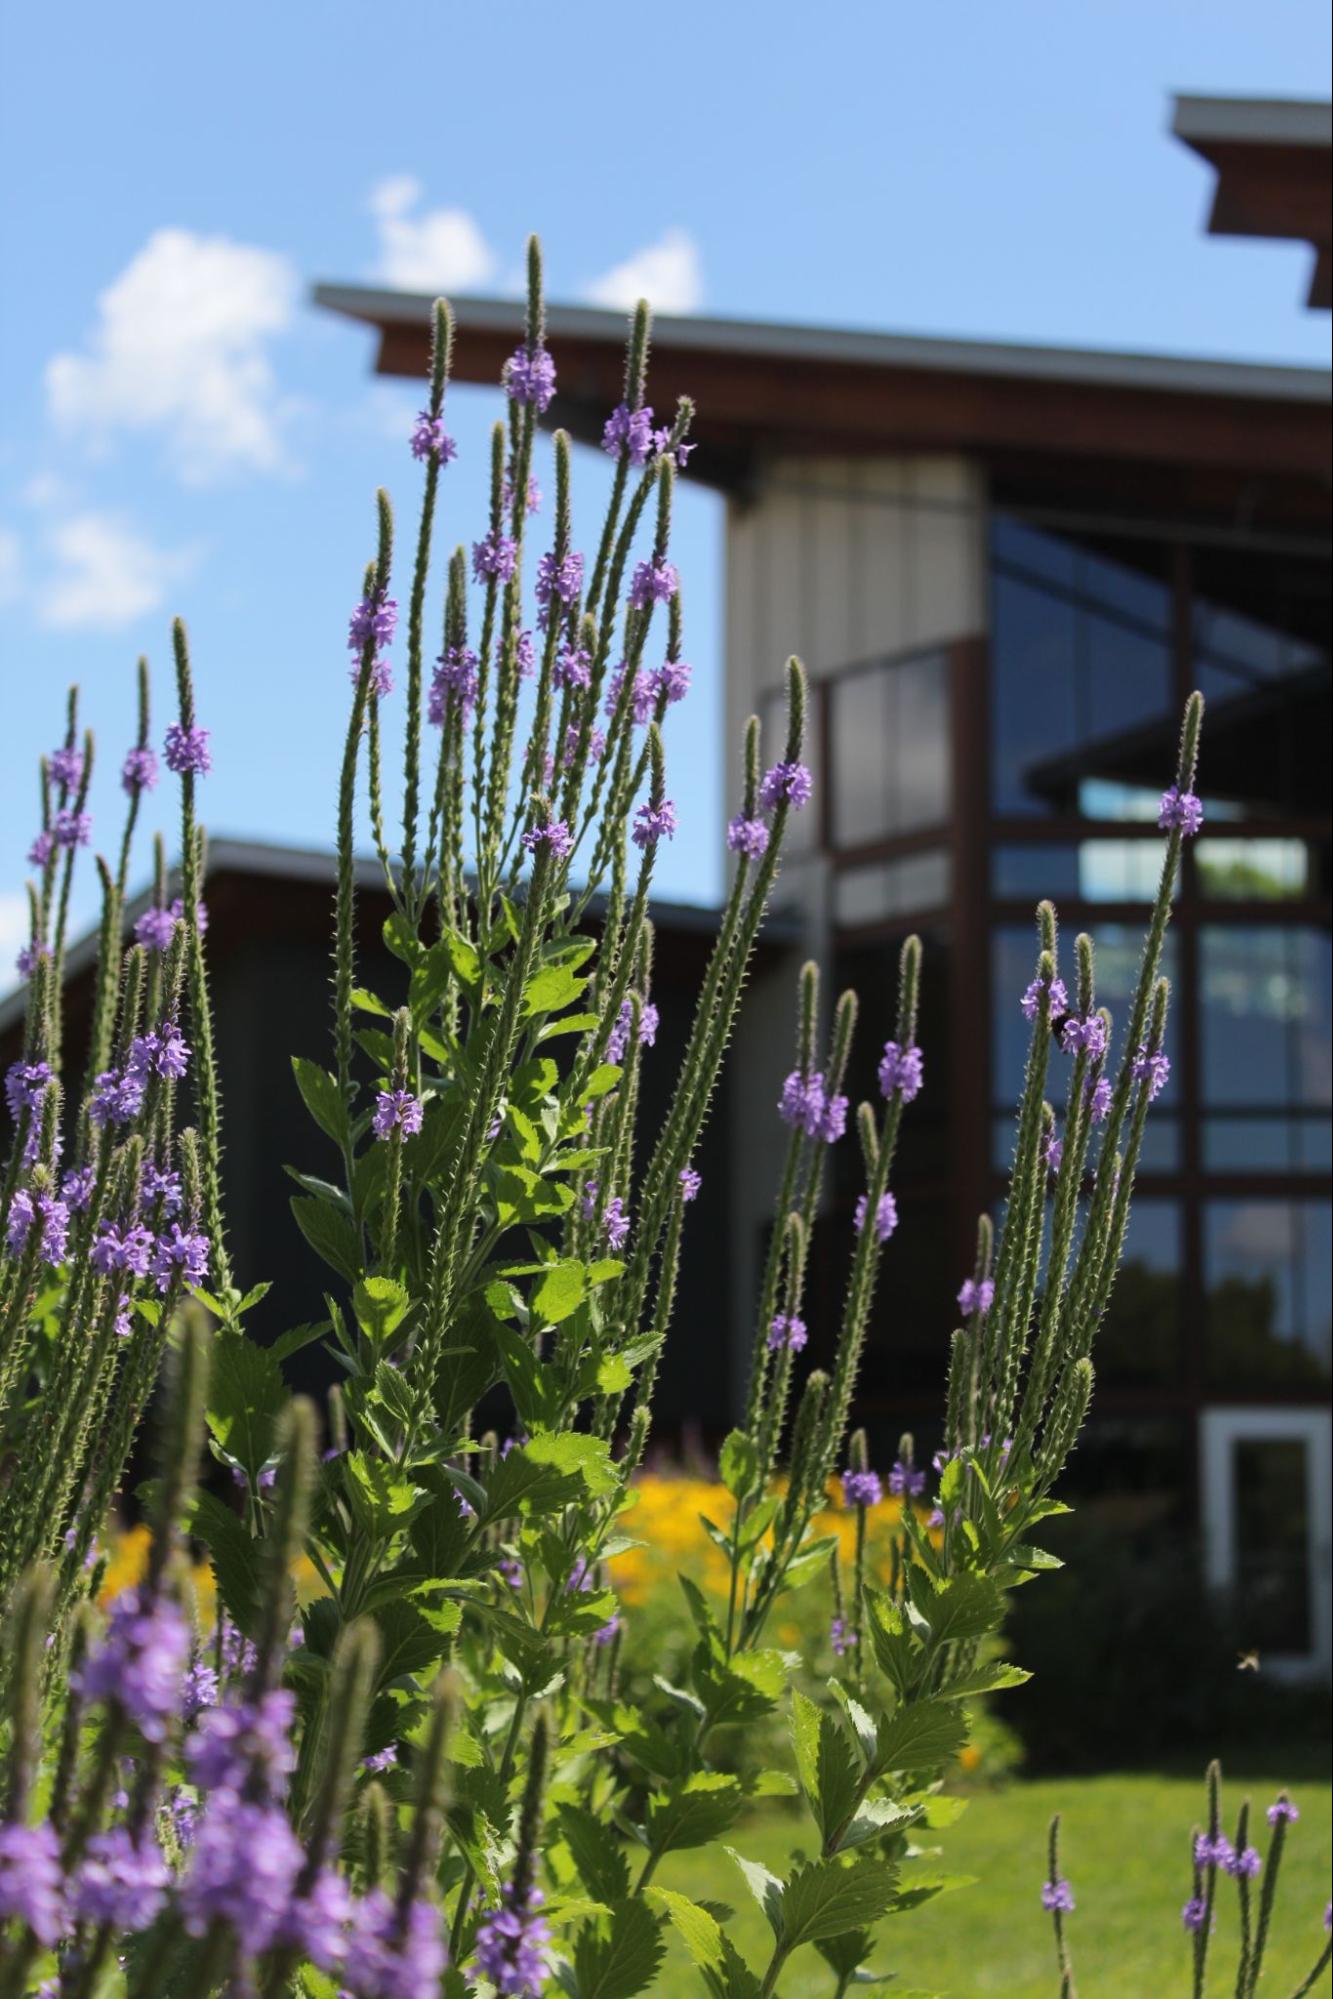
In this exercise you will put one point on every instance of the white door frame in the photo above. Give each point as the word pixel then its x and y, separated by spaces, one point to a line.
pixel 1219 1431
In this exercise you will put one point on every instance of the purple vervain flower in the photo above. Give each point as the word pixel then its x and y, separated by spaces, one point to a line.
pixel 76 1189
pixel 841 1636
pixel 641 698
pixel 787 1331
pixel 532 499
pixel 562 579
pixel 630 430
pixel 372 623
pixel 200 914
pixel 512 1945
pixel 1154 1069
pixel 1057 1895
pixel 116 1098
pixel 126 1246
pixel 430 439
pixel 555 836
pixel 46 1213
pixel 530 378
pixel 30 956
pixel 72 829
pixel 618 1040
pixel 396 1111
pixel 24 1084
pixel 41 850
pixel 1180 808
pixel 1098 1091
pixel 1059 998
pixel 139 770
pixel 494 559
pixel 1085 1032
pixel 1195 1913
pixel 245 1746
pixel 1244 1863
pixel 671 682
pixel 389 1959
pixel 525 655
pixel 180 1253
pixel 243 1868
pixel 789 782
pixel 163 1051
pixel 905 1480
pixel 187 750
pixel 142 1661
pixel 886 1215
pixel 162 1188
pixel 121 1881
pixel 1054 1153
pixel 690 1183
pixel 1282 1811
pixel 901 1069
pixel 861 1488
pixel 976 1297
pixel 747 836
pixel 615 1222
pixel 155 929
pixel 1212 1851
pixel 380 679
pixel 382 1760
pixel 66 766
pixel 31 1885
pixel 573 667
pixel 653 823
pixel 453 683
pixel 653 582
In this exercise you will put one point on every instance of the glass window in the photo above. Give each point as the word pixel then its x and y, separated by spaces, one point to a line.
pixel 891 750
pixel 1265 1015
pixel 1272 1551
pixel 1267 1279
pixel 884 889
pixel 1275 870
pixel 1139 1339
pixel 1092 871
pixel 1080 657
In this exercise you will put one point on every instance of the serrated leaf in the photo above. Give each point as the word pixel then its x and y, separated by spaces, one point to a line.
pixel 234 1556
pixel 551 989
pixel 380 1305
pixel 985 1680
pixel 616 1959
pixel 379 1500
pixel 597 1852
pixel 962 1606
pixel 694 1812
pixel 738 1463
pixel 561 1291
pixel 921 1735
pixel 246 1395
pixel 331 1234
pixel 322 1098
pixel 829 1769
pixel 826 1898
pixel 765 1887
pixel 710 1948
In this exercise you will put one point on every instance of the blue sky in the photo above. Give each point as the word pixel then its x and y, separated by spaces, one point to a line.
pixel 181 431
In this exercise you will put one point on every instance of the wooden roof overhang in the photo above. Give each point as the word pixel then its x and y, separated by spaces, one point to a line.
pixel 1272 160
pixel 1222 436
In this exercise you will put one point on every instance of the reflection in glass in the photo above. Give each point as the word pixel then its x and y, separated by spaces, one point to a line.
pixel 1267 1277
pixel 1252 870
pixel 1272 1530
pixel 891 770
pixel 1265 1015
pixel 1139 1340
pixel 883 889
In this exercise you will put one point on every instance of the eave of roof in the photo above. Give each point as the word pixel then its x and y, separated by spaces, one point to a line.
pixel 1271 157
pixel 1254 121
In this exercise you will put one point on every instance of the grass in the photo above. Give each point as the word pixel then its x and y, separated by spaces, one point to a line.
pixel 1124 1846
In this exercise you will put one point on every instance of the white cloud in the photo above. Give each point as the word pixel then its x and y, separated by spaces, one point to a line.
pixel 181 347
pixel 106 574
pixel 10 566
pixel 440 250
pixel 667 273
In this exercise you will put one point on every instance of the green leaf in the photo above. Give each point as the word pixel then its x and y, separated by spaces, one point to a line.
pixel 332 1235
pixel 561 1291
pixel 826 1898
pixel 920 1736
pixel 829 1768
pixel 962 1606
pixel 615 1959
pixel 601 1082
pixel 695 1812
pixel 765 1887
pixel 407 1640
pixel 554 987
pixel 985 1680
pixel 549 1471
pixel 613 1375
pixel 430 977
pixel 738 1464
pixel 297 1337
pixel 568 1023
pixel 366 1002
pixel 401 938
pixel 380 1305
pixel 746 1690
pixel 246 1395
pixel 379 1500
pixel 323 1099
pixel 234 1556
pixel 596 1851
pixel 463 958
pixel 710 1949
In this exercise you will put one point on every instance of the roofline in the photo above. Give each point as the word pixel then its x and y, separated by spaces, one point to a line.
pixel 1253 121
pixel 1091 367
pixel 318 866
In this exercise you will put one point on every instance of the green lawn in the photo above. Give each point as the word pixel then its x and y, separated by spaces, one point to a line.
pixel 1124 1846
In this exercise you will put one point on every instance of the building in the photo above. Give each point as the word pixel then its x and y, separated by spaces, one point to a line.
pixel 1005 567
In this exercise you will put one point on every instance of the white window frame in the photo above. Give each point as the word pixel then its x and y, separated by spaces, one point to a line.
pixel 1220 1431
